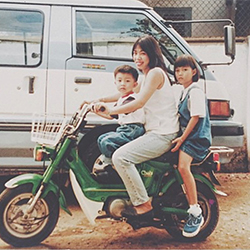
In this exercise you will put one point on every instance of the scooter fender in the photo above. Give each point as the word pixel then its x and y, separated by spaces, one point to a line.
pixel 35 180
pixel 206 181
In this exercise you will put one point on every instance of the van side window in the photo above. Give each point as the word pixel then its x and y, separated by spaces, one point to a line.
pixel 21 35
pixel 112 34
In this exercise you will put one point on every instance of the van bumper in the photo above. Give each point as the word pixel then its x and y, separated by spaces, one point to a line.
pixel 227 133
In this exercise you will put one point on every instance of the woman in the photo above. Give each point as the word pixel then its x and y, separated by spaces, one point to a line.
pixel 157 98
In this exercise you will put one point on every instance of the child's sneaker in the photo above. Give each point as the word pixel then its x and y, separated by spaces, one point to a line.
pixel 193 225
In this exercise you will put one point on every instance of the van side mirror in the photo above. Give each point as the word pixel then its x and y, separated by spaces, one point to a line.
pixel 229 36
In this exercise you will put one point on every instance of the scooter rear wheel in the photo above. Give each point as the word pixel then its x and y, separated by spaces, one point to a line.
pixel 20 229
pixel 174 197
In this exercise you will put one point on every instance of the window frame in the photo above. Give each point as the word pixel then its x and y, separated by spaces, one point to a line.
pixel 153 16
pixel 16 9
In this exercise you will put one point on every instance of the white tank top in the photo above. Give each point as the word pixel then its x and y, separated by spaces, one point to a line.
pixel 161 112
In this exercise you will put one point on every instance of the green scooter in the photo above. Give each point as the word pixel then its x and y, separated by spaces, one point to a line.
pixel 30 204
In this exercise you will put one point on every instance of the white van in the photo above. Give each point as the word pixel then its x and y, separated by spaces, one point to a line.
pixel 56 53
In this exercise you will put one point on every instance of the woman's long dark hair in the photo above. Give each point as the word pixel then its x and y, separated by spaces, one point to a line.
pixel 149 45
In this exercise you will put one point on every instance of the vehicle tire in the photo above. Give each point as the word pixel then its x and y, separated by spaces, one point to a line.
pixel 91 155
pixel 88 148
pixel 20 230
pixel 174 197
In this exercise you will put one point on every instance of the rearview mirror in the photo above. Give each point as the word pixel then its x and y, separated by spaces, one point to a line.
pixel 229 36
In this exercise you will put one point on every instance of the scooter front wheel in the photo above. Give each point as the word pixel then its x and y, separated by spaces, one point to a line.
pixel 20 228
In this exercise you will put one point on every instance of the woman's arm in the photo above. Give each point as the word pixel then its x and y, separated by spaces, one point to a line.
pixel 111 98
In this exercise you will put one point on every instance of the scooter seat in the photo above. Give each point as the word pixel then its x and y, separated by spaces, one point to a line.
pixel 170 157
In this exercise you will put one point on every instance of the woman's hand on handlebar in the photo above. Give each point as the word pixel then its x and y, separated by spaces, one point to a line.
pixel 100 108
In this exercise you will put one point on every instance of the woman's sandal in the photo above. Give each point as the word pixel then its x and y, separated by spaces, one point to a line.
pixel 131 214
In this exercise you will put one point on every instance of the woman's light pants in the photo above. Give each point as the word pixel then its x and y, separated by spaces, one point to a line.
pixel 144 148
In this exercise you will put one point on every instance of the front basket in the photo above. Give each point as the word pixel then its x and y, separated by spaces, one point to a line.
pixel 47 129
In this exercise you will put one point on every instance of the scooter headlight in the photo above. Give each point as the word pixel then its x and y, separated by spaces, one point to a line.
pixel 41 154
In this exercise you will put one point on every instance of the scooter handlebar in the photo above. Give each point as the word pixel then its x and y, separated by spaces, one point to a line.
pixel 102 108
pixel 84 109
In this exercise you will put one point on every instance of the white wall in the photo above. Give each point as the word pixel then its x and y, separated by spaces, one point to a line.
pixel 236 77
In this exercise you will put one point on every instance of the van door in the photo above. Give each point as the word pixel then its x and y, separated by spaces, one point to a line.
pixel 103 40
pixel 23 60
pixel 23 75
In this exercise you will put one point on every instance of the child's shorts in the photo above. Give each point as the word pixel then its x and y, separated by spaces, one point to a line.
pixel 198 149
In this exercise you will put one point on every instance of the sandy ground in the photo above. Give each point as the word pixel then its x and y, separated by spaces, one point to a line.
pixel 232 231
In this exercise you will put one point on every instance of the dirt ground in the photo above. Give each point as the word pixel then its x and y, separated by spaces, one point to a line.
pixel 232 231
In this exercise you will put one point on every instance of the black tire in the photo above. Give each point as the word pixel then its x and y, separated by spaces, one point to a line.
pixel 19 231
pixel 91 155
pixel 174 197
pixel 88 148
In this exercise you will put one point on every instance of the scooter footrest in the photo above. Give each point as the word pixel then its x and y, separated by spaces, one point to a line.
pixel 135 224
